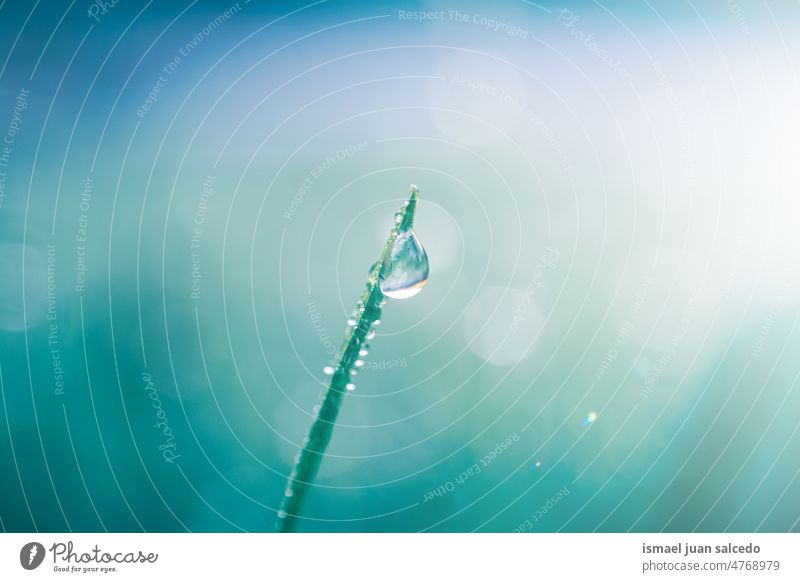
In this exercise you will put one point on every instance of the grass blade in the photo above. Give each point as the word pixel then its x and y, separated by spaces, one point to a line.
pixel 319 435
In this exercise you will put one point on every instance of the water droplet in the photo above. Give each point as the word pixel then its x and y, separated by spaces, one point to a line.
pixel 351 322
pixel 537 464
pixel 281 514
pixel 288 492
pixel 398 216
pixel 371 334
pixel 359 363
pixel 376 323
pixel 363 352
pixel 328 370
pixel 350 386
pixel 406 270
pixel 354 372
pixel 315 410
pixel 590 418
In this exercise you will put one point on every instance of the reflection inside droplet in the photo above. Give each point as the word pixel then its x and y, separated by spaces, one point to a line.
pixel 406 270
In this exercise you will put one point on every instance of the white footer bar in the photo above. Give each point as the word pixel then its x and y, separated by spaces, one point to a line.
pixel 406 557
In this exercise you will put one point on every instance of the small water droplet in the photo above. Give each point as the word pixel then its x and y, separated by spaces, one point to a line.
pixel 351 322
pixel 281 514
pixel 288 492
pixel 354 372
pixel 590 418
pixel 359 363
pixel 406 271
pixel 376 323
pixel 538 464
pixel 398 216
pixel 328 370
pixel 371 334
pixel 350 386
pixel 363 352
pixel 315 410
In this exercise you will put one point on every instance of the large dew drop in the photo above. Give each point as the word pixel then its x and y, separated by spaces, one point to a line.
pixel 406 271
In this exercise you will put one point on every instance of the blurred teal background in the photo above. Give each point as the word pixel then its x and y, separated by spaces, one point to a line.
pixel 192 194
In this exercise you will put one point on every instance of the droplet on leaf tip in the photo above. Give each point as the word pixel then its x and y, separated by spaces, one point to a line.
pixel 408 268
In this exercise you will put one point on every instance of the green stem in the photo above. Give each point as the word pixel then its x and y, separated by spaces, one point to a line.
pixel 319 435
